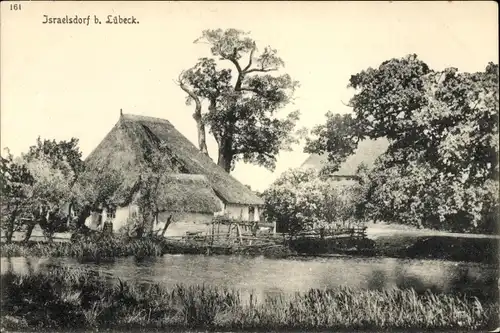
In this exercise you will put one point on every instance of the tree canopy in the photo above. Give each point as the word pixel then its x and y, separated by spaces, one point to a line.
pixel 441 166
pixel 44 184
pixel 242 104
pixel 37 185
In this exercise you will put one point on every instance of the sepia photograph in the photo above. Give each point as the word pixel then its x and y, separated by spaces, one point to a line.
pixel 249 166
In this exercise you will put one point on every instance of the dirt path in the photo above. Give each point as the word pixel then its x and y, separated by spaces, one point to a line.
pixel 37 235
pixel 375 231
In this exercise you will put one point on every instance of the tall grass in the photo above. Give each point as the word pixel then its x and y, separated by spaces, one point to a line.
pixel 65 298
pixel 99 249
pixel 88 248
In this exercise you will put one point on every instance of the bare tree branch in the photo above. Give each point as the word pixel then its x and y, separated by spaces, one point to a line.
pixel 196 99
pixel 202 142
pixel 262 70
pixel 250 58
pixel 233 59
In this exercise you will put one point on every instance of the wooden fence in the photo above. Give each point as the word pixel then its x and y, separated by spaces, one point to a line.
pixel 226 232
pixel 243 233
pixel 355 233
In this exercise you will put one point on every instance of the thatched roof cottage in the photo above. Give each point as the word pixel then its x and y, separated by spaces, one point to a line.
pixel 367 152
pixel 192 188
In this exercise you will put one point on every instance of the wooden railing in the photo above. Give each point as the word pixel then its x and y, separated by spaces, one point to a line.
pixel 352 232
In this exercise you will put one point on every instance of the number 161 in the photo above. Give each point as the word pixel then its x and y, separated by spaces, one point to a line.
pixel 15 6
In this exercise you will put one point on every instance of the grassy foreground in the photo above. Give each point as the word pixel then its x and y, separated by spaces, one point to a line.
pixel 67 298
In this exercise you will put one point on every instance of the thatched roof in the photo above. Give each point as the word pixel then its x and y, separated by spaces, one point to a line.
pixel 186 193
pixel 129 145
pixel 367 152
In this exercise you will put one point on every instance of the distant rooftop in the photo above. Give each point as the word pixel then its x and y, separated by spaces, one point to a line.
pixel 367 152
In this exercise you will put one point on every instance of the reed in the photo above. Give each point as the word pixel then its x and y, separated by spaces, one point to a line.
pixel 78 298
pixel 95 249
pixel 87 247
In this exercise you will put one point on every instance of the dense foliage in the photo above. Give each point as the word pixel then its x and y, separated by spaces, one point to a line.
pixel 301 200
pixel 441 167
pixel 37 186
pixel 242 106
pixel 48 186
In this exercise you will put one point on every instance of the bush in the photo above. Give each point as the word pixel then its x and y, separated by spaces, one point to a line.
pixel 316 246
pixel 302 199
pixel 418 195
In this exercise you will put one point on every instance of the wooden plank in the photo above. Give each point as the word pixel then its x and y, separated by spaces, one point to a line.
pixel 265 225
pixel 238 232
pixel 229 231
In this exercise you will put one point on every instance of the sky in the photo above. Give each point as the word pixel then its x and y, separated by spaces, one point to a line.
pixel 63 81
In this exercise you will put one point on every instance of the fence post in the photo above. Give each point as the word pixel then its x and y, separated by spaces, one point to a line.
pixel 213 231
pixel 238 230
pixel 229 230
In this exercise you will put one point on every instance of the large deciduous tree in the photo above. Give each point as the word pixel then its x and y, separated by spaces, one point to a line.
pixel 64 155
pixel 47 184
pixel 242 101
pixel 15 181
pixel 61 157
pixel 35 188
pixel 441 167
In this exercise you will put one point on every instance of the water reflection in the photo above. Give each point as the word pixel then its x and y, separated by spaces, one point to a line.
pixel 22 265
pixel 270 276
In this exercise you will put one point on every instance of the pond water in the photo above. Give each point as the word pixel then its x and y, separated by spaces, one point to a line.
pixel 270 276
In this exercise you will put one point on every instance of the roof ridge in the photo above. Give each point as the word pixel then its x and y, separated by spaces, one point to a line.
pixel 181 175
pixel 138 117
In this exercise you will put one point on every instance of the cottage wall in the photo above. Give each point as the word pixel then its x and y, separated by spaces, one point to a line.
pixel 94 221
pixel 183 222
pixel 243 212
pixel 257 214
pixel 122 216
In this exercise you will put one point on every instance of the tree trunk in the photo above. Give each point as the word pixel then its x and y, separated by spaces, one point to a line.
pixel 169 220
pixel 46 221
pixel 80 228
pixel 69 217
pixel 82 217
pixel 10 227
pixel 202 140
pixel 31 225
pixel 50 227
pixel 225 155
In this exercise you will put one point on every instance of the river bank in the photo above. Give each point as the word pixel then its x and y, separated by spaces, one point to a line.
pixel 383 240
pixel 468 249
pixel 105 249
pixel 77 298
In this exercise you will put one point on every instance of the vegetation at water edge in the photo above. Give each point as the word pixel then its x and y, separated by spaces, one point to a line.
pixel 76 298
pixel 107 248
